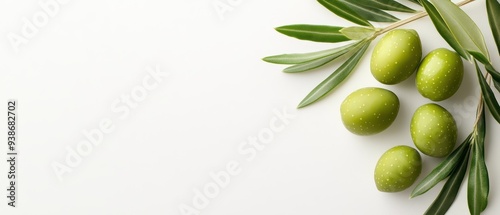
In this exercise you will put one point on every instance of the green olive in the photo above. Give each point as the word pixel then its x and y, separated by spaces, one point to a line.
pixel 433 130
pixel 397 169
pixel 369 110
pixel 396 56
pixel 440 74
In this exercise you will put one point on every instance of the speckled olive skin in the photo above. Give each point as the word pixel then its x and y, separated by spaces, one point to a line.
pixel 396 56
pixel 433 130
pixel 440 74
pixel 397 169
pixel 369 110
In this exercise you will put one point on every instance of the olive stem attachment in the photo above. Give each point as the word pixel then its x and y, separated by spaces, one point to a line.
pixel 480 110
pixel 417 16
pixel 480 105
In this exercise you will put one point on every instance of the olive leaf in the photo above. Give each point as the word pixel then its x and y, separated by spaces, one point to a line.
pixel 357 32
pixel 416 2
pixel 444 31
pixel 369 13
pixel 311 64
pixel 497 85
pixel 342 10
pixel 443 170
pixel 463 29
pixel 336 77
pixel 480 129
pixel 389 5
pixel 478 183
pixel 494 74
pixel 450 189
pixel 489 96
pixel 308 61
pixel 493 9
pixel 317 33
pixel 306 57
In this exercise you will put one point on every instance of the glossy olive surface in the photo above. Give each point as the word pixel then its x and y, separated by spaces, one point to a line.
pixel 369 110
pixel 433 130
pixel 396 56
pixel 440 74
pixel 397 169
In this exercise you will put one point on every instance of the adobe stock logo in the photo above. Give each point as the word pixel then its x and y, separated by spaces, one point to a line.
pixel 31 27
pixel 247 151
pixel 222 7
pixel 120 109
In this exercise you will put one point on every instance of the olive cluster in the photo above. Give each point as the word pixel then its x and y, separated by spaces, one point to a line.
pixel 371 110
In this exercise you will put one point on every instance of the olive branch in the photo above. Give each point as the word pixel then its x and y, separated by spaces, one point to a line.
pixel 458 30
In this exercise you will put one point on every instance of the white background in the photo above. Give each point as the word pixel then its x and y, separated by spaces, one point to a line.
pixel 219 93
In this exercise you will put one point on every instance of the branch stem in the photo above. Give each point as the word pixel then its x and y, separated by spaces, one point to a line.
pixel 481 101
pixel 417 16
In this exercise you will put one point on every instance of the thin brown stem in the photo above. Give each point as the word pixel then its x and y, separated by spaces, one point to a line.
pixel 400 23
pixel 479 110
pixel 417 16
pixel 480 105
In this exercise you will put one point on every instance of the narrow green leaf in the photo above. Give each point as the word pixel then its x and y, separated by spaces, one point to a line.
pixel 478 186
pixel 357 32
pixel 389 5
pixel 480 129
pixel 370 13
pixel 450 189
pixel 489 96
pixel 443 170
pixel 342 10
pixel 316 33
pixel 463 28
pixel 493 72
pixel 480 57
pixel 306 57
pixel 497 85
pixel 493 8
pixel 415 1
pixel 444 31
pixel 335 78
pixel 310 65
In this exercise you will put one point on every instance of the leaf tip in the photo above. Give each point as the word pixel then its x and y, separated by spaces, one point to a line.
pixel 417 191
pixel 280 29
pixel 413 194
pixel 304 103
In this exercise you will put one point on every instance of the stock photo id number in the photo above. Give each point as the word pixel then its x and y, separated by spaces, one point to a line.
pixel 12 156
